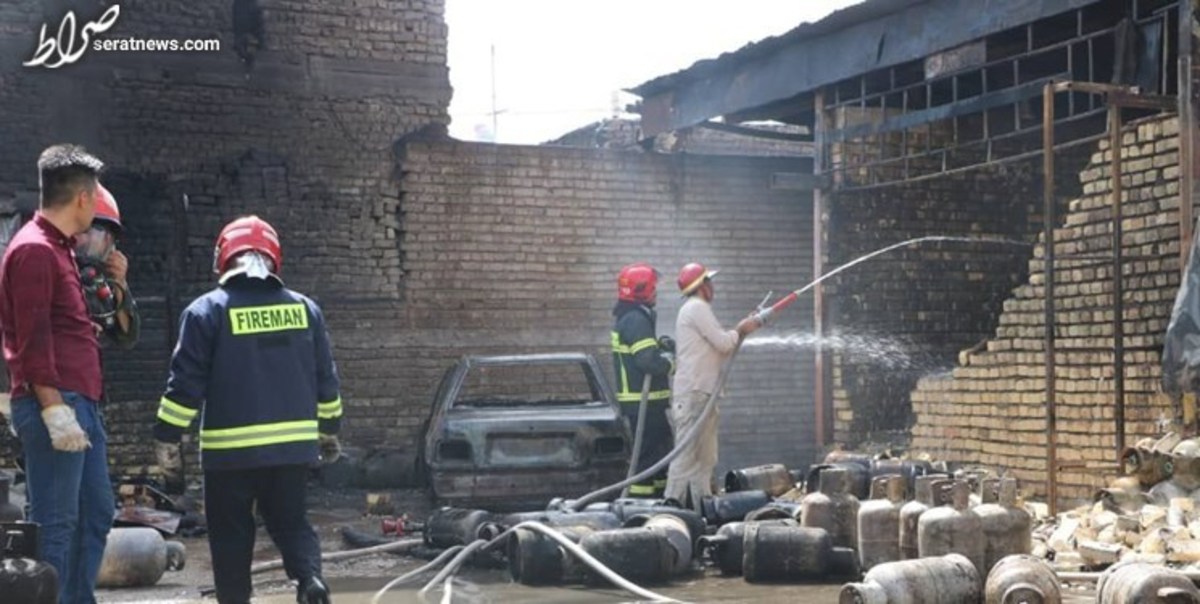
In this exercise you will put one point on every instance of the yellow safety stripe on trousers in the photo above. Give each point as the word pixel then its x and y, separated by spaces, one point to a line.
pixel 641 489
pixel 330 410
pixel 175 414
pixel 267 319
pixel 642 344
pixel 259 435
pixel 617 346
pixel 636 397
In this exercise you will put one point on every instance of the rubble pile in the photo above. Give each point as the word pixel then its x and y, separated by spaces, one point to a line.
pixel 1150 515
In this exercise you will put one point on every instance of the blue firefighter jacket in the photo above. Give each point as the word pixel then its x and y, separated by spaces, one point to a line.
pixel 254 361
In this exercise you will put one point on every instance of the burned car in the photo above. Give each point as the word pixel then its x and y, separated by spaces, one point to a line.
pixel 513 431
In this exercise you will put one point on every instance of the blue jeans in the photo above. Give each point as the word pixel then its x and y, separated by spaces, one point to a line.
pixel 70 495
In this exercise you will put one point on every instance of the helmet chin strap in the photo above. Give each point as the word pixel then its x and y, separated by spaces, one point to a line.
pixel 253 265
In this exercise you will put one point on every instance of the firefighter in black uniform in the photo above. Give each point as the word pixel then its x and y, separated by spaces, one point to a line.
pixel 637 353
pixel 256 357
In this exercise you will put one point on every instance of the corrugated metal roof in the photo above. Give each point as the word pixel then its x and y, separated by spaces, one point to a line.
pixel 837 20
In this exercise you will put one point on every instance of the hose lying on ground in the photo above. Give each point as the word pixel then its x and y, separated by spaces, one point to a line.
pixel 408 576
pixel 392 547
pixel 465 552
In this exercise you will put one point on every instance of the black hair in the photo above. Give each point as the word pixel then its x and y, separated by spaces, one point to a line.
pixel 64 171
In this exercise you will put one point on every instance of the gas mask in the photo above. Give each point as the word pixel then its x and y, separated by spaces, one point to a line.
pixel 92 249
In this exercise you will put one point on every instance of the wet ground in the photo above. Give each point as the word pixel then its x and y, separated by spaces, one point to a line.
pixel 356 581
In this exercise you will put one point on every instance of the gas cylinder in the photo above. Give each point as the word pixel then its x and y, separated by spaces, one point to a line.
pixel 719 509
pixel 1006 527
pixel 597 520
pixel 1150 459
pixel 676 532
pixel 774 552
pixel 832 509
pixel 952 529
pixel 535 559
pixel 910 469
pixel 26 581
pixel 858 480
pixel 1142 583
pixel 776 510
pixel 949 579
pixel 447 527
pixel 726 547
pixel 9 511
pixel 879 522
pixel 630 508
pixel 137 557
pixel 911 512
pixel 834 457
pixel 641 555
pixel 1185 459
pixel 1022 579
pixel 772 478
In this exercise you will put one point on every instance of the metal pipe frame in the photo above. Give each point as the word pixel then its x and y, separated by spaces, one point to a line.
pixel 1116 98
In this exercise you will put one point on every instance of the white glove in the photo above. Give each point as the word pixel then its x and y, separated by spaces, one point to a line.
pixel 65 433
pixel 330 448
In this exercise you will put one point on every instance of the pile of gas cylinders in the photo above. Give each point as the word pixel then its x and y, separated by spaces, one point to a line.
pixel 920 534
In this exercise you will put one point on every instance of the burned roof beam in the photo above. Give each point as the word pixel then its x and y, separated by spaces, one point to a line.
pixel 756 132
pixel 749 78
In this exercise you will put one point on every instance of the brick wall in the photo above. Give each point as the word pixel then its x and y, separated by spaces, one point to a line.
pixel 303 138
pixel 515 249
pixel 991 409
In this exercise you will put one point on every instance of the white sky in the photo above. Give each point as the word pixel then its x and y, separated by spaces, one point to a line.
pixel 560 63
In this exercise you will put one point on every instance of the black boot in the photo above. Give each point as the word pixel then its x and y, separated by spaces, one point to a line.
pixel 312 591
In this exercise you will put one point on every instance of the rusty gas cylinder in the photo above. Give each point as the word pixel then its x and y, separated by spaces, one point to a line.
pixel 641 555
pixel 676 532
pixel 1150 460
pixel 535 559
pixel 952 529
pixel 949 579
pixel 626 509
pixel 910 469
pixel 9 511
pixel 858 479
pixel 832 509
pixel 910 513
pixel 1006 527
pixel 447 527
pixel 1022 579
pixel 773 552
pixel 879 522
pixel 726 547
pixel 731 507
pixel 137 557
pixel 1143 583
pixel 835 457
pixel 772 478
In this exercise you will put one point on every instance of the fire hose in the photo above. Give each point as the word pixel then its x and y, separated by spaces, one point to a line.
pixel 463 553
pixel 762 314
pixel 638 432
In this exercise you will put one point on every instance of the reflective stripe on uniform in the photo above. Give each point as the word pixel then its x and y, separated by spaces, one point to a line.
pixel 642 344
pixel 330 410
pixel 636 397
pixel 259 435
pixel 175 414
pixel 641 489
pixel 249 320
pixel 617 346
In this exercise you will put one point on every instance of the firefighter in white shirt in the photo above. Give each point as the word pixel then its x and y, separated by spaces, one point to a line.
pixel 702 345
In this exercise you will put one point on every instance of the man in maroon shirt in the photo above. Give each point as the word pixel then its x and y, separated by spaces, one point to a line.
pixel 53 357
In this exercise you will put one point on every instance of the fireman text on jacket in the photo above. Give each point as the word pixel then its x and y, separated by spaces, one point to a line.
pixel 265 319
